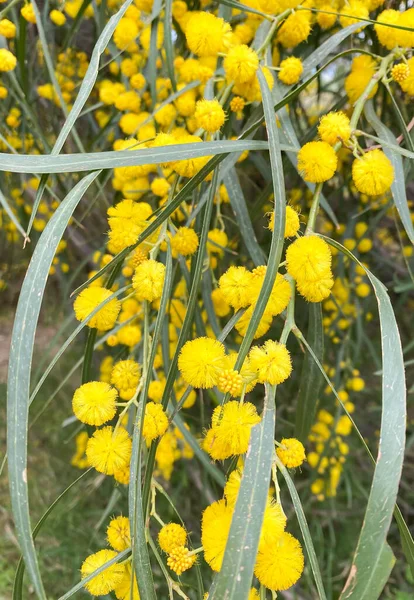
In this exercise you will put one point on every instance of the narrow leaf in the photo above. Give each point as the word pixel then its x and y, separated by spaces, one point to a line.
pixel 303 524
pixel 239 206
pixel 20 361
pixel 311 378
pixel 235 577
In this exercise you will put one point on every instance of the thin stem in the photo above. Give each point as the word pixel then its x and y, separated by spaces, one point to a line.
pixel 313 213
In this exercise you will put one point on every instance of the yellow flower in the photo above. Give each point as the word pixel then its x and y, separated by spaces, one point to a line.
pixel 105 582
pixel 118 534
pixel 400 72
pixel 180 559
pixel 207 34
pixel 185 241
pixel 209 115
pixel 274 523
pixel 408 84
pixel 221 307
pixel 215 527
pixel 231 489
pixel 231 426
pixel 231 382
pixel 7 60
pixel 292 222
pixel 317 161
pixel 123 589
pixel 362 71
pixel 271 362
pixel 94 403
pixel 148 280
pixel 308 259
pixel 7 28
pixel 200 362
pixel 172 536
pixel 334 127
pixel 241 64
pixel 387 36
pixel 373 173
pixel 324 20
pixel 125 33
pixel 294 30
pixel 109 451
pixel 315 291
pixel 291 452
pixel 155 422
pixel 236 285
pixel 291 70
pixel 57 17
pixel 125 376
pixel 279 562
pixel 28 13
pixel 355 9
pixel 89 299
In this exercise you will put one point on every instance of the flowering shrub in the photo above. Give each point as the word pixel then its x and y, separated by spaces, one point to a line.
pixel 247 170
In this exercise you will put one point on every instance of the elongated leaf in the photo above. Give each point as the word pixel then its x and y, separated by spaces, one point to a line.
pixel 238 204
pixel 276 246
pixel 387 473
pixel 311 378
pixel 71 163
pixel 18 578
pixel 379 576
pixel 235 577
pixel 11 214
pixel 137 511
pixel 406 539
pixel 303 524
pixel 169 51
pixel 398 187
pixel 21 354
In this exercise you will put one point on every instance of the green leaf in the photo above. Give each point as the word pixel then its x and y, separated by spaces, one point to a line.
pixel 406 539
pixel 235 577
pixel 238 204
pixel 11 215
pixel 303 524
pixel 378 579
pixel 169 51
pixel 18 578
pixel 137 510
pixel 384 488
pixel 90 161
pixel 276 246
pixel 398 187
pixel 21 353
pixel 311 379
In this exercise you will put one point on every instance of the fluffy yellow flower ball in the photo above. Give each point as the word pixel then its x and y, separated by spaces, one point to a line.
pixel 408 84
pixel 317 161
pixel 180 559
pixel 362 71
pixel 148 280
pixel 7 60
pixel 241 64
pixel 231 426
pixel 294 30
pixel 291 452
pixel 400 72
pixel 184 242
pixel 93 403
pixel 292 222
pixel 207 34
pixel 125 33
pixel 209 115
pixel 28 13
pixel 57 17
pixel 125 377
pixel 387 36
pixel 356 10
pixel 89 299
pixel 271 362
pixel 373 173
pixel 171 536
pixel 279 563
pixel 315 291
pixel 291 69
pixel 200 362
pixel 308 258
pixel 108 450
pixel 334 127
pixel 215 527
pixel 155 422
pixel 7 28
pixel 105 582
pixel 236 286
pixel 118 534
